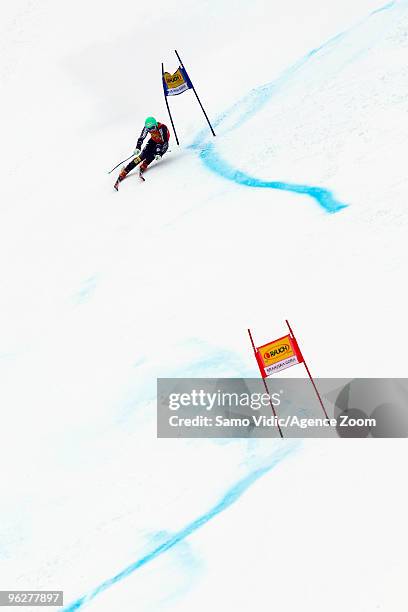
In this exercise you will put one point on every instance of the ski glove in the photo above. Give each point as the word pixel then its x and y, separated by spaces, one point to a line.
pixel 136 152
pixel 157 157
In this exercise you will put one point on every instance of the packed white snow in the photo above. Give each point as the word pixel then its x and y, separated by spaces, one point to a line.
pixel 103 292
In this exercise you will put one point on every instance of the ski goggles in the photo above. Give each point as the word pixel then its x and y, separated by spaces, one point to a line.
pixel 152 129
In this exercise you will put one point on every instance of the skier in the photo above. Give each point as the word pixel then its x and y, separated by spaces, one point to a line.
pixel 154 150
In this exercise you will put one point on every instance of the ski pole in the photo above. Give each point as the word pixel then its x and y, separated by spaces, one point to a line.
pixel 121 162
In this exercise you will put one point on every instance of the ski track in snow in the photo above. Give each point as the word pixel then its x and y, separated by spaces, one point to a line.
pixel 230 497
pixel 253 102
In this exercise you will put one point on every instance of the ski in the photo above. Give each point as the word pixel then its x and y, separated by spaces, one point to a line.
pixel 116 185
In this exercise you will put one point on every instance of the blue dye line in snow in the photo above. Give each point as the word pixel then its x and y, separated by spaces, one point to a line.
pixel 251 104
pixel 230 497
pixel 247 108
pixel 214 162
pixel 386 7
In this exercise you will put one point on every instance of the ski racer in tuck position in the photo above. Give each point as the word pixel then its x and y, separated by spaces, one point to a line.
pixel 154 150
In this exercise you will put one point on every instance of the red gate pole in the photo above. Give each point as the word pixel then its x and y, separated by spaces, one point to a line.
pixel 266 388
pixel 308 371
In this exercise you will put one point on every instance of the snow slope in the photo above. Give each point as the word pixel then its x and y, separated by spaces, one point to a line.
pixel 297 209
